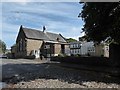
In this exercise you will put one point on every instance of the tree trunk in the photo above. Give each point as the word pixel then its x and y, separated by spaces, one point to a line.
pixel 114 54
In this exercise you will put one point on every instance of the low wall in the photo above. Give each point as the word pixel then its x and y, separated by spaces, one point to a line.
pixel 114 53
pixel 96 61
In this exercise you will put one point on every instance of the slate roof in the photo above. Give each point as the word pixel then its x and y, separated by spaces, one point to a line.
pixel 47 36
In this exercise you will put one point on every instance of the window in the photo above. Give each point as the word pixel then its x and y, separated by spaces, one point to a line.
pixel 76 45
pixel 24 45
pixel 73 45
pixel 18 47
pixel 75 51
pixel 79 51
pixel 21 45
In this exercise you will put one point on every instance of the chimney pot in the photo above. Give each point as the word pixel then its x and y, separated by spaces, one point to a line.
pixel 44 28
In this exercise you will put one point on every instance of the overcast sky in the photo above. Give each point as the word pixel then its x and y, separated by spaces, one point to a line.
pixel 58 17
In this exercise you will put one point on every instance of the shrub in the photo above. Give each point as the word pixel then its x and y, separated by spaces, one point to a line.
pixel 62 55
pixel 72 54
pixel 88 54
pixel 102 55
pixel 30 57
pixel 78 55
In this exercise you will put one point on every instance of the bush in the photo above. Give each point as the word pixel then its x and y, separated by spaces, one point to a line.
pixel 94 61
pixel 102 55
pixel 72 54
pixel 62 55
pixel 88 54
pixel 77 55
pixel 30 57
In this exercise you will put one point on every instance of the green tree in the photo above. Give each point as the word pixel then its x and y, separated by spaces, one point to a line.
pixel 84 38
pixel 2 46
pixel 102 20
pixel 71 40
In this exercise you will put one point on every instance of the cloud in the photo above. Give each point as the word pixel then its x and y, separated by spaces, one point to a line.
pixel 16 0
pixel 24 1
pixel 9 39
pixel 44 13
pixel 40 1
pixel 67 30
pixel 57 17
pixel 21 2
pixel 9 33
pixel 1 21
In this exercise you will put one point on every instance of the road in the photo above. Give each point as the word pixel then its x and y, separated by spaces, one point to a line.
pixel 21 61
pixel 41 75
pixel 14 67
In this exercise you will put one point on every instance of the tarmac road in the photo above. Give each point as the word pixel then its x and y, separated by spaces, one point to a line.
pixel 38 72
pixel 14 67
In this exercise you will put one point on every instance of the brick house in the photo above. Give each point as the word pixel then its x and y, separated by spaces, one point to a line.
pixel 34 42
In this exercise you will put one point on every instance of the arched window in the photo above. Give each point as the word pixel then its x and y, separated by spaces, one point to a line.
pixel 21 45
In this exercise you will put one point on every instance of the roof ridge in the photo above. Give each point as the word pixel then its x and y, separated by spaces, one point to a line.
pixel 52 33
pixel 38 30
pixel 38 34
pixel 32 29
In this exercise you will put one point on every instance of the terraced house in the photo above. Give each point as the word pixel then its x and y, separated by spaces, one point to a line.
pixel 31 42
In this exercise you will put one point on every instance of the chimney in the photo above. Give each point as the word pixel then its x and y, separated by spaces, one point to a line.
pixel 44 28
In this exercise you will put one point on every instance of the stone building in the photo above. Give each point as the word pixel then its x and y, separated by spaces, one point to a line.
pixel 102 49
pixel 31 42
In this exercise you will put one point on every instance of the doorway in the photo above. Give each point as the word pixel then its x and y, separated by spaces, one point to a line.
pixel 62 48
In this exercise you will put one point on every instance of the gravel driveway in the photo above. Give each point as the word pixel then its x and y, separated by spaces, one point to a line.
pixel 23 73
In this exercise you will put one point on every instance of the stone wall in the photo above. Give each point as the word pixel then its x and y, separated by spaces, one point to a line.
pixel 114 54
pixel 33 45
pixel 48 49
pixel 67 49
pixel 99 50
pixel 22 53
pixel 57 48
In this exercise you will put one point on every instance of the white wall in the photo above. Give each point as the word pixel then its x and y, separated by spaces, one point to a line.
pixel 67 52
pixel 36 53
pixel 106 51
pixel 83 50
pixel 86 47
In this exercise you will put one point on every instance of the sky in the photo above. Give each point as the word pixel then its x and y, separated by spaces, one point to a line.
pixel 58 17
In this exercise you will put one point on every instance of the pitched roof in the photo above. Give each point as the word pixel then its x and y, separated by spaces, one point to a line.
pixel 36 34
